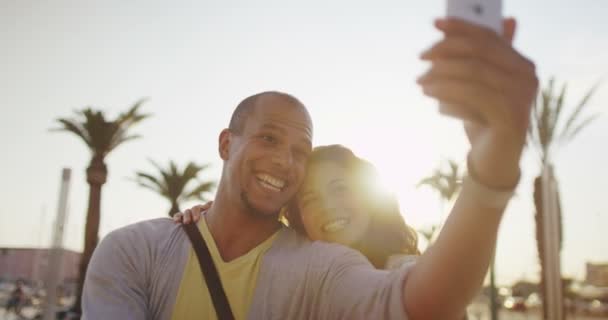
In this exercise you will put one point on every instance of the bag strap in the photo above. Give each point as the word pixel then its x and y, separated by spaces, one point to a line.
pixel 212 278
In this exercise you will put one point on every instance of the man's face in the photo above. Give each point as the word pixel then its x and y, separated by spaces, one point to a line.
pixel 266 162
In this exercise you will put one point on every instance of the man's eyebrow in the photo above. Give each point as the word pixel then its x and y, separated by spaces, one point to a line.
pixel 270 126
pixel 273 127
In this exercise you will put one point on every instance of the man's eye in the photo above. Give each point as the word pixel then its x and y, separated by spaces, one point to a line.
pixel 270 139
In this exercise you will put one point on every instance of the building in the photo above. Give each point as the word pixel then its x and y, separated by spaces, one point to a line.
pixel 524 288
pixel 31 264
pixel 597 274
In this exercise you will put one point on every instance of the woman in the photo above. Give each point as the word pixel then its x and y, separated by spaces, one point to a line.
pixel 340 201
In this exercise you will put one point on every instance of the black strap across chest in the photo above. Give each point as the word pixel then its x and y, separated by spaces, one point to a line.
pixel 212 277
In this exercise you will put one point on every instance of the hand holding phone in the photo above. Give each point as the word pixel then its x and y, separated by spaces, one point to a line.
pixel 486 13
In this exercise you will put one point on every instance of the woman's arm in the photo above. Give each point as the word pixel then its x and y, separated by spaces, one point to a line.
pixel 478 72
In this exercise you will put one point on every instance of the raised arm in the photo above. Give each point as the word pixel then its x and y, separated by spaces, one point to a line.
pixel 491 87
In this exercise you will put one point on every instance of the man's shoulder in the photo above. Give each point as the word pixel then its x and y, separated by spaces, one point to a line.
pixel 146 243
pixel 148 232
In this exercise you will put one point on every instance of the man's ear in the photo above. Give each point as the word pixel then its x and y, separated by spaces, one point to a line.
pixel 224 143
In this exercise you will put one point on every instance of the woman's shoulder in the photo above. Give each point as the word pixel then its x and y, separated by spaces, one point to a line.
pixel 395 261
pixel 296 246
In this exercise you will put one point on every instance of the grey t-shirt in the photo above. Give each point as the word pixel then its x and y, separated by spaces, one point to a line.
pixel 136 271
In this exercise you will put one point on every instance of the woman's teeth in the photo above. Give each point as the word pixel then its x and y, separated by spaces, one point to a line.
pixel 269 186
pixel 335 225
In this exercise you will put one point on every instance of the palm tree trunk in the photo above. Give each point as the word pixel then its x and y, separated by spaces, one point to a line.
pixel 174 208
pixel 540 241
pixel 538 203
pixel 96 176
pixel 493 297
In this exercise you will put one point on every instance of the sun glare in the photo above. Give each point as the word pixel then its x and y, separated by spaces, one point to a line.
pixel 400 173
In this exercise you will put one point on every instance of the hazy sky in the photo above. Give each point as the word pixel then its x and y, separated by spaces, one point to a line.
pixel 353 63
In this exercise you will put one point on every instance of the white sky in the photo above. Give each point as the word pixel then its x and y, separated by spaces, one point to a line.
pixel 353 63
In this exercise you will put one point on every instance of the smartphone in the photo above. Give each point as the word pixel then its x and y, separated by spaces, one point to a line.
pixel 486 13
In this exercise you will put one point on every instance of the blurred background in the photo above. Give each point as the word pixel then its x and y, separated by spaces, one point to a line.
pixel 181 68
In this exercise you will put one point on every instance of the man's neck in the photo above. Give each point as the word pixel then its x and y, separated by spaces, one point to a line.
pixel 236 231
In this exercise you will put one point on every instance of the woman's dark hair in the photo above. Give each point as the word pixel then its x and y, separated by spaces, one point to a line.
pixel 387 233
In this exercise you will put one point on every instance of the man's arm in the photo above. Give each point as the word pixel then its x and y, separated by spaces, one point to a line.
pixel 491 87
pixel 114 287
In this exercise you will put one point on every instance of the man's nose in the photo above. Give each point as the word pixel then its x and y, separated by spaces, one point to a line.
pixel 283 158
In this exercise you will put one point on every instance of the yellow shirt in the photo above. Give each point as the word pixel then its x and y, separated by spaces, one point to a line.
pixel 238 276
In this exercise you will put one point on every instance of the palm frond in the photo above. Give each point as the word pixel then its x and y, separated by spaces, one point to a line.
pixel 559 104
pixel 446 184
pixel 433 181
pixel 555 107
pixel 74 127
pixel 192 170
pixel 200 190
pixel 100 130
pixel 119 140
pixel 152 182
pixel 533 140
pixel 574 116
pixel 173 182
pixel 545 113
pixel 150 187
pixel 102 135
pixel 131 117
pixel 576 130
pixel 545 133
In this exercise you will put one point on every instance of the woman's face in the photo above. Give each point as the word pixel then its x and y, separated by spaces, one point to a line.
pixel 330 205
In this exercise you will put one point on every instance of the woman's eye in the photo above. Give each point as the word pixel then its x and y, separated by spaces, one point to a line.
pixel 307 202
pixel 341 189
pixel 300 155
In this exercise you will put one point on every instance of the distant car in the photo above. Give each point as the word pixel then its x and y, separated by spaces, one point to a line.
pixel 515 303
pixel 533 301
pixel 597 308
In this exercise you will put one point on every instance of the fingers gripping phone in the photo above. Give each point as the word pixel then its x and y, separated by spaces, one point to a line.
pixel 486 13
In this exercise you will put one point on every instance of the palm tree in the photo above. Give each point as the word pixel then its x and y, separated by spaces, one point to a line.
pixel 101 137
pixel 172 183
pixel 551 129
pixel 447 184
pixel 429 233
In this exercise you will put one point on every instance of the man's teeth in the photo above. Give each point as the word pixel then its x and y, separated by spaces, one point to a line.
pixel 335 225
pixel 270 182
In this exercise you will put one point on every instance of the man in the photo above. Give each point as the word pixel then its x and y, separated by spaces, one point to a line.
pixel 147 271
pixel 16 299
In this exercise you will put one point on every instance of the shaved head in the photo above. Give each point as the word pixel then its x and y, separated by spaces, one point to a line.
pixel 249 105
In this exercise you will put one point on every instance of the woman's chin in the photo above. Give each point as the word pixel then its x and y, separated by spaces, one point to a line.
pixel 344 238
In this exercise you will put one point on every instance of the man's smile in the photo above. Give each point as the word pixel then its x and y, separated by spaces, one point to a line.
pixel 270 182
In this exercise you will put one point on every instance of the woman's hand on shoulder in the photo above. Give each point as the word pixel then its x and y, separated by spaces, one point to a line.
pixel 192 215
